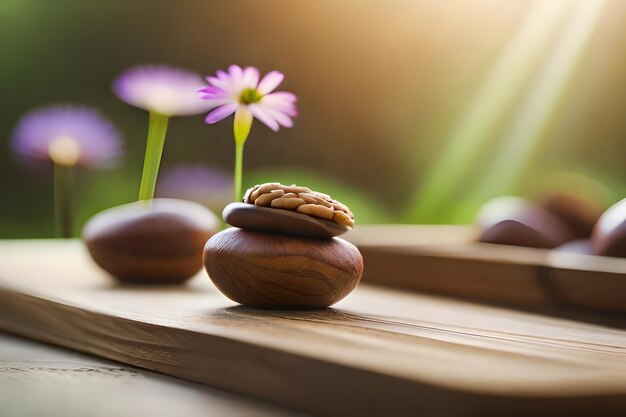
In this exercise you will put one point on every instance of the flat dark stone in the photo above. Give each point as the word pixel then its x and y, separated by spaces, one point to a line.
pixel 280 222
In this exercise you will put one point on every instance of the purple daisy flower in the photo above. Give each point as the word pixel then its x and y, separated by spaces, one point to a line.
pixel 161 89
pixel 211 187
pixel 164 92
pixel 242 91
pixel 67 135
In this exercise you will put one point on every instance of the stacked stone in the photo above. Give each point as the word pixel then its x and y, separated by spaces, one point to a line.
pixel 283 250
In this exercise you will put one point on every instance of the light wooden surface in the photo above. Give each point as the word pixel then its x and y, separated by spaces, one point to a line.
pixel 37 379
pixel 378 352
pixel 446 260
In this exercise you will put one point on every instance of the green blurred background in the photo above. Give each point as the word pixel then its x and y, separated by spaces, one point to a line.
pixel 384 87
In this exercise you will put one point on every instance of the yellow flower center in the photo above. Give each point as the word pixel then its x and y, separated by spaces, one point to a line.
pixel 250 95
pixel 64 150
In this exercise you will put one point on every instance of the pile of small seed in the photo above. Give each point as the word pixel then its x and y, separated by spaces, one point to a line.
pixel 300 199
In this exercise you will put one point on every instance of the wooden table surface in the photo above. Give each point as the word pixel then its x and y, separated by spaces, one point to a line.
pixel 379 351
pixel 38 379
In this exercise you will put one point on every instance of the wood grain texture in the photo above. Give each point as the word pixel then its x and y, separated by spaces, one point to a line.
pixel 270 271
pixel 37 379
pixel 446 260
pixel 379 352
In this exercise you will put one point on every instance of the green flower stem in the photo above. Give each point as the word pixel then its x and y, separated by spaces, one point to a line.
pixel 63 210
pixel 241 130
pixel 154 149
pixel 238 170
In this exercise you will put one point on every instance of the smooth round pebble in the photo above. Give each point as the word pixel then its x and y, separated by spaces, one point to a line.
pixel 609 235
pixel 578 213
pixel 282 272
pixel 516 221
pixel 161 243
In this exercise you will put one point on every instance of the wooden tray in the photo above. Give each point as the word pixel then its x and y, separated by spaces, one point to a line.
pixel 446 260
pixel 378 352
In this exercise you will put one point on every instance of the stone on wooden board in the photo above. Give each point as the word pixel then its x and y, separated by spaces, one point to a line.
pixel 158 243
pixel 609 235
pixel 271 271
pixel 580 214
pixel 515 221
pixel 280 222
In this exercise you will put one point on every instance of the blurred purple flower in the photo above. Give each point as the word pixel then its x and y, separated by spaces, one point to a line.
pixel 67 135
pixel 211 187
pixel 239 90
pixel 161 89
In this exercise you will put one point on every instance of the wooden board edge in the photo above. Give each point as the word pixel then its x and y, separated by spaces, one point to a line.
pixel 531 287
pixel 297 382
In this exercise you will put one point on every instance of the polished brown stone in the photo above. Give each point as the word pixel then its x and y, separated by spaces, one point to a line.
pixel 609 235
pixel 280 272
pixel 161 243
pixel 578 213
pixel 515 221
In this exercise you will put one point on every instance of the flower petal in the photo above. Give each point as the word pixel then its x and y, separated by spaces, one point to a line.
pixel 221 113
pixel 282 102
pixel 220 83
pixel 161 89
pixel 75 134
pixel 289 111
pixel 270 82
pixel 235 71
pixel 264 117
pixel 281 117
pixel 250 77
pixel 235 74
pixel 277 104
pixel 211 90
pixel 282 96
pixel 217 102
pixel 210 93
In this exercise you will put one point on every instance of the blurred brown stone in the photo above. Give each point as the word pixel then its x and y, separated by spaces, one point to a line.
pixel 159 244
pixel 578 213
pixel 516 221
pixel 609 235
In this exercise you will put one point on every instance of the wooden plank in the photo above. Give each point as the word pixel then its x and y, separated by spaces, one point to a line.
pixel 378 352
pixel 445 260
pixel 41 380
